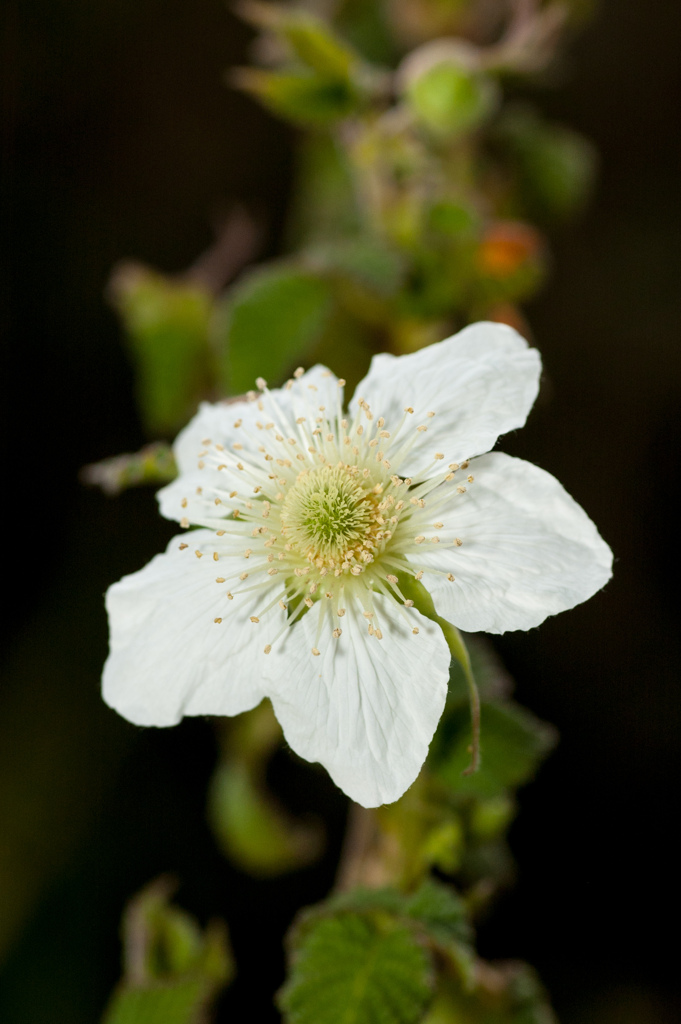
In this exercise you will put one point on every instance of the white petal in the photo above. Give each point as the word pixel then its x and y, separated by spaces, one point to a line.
pixel 529 550
pixel 215 424
pixel 365 708
pixel 168 657
pixel 480 383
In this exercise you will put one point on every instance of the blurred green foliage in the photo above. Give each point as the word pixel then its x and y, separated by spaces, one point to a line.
pixel 172 970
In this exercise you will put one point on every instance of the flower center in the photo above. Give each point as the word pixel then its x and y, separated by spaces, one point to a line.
pixel 329 517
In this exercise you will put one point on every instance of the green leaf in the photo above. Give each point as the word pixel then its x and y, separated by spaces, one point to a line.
pixel 167 327
pixel 514 742
pixel 153 464
pixel 451 100
pixel 352 969
pixel 435 913
pixel 304 97
pixel 173 970
pixel 267 323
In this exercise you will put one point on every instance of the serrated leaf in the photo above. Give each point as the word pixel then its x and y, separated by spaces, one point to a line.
pixel 434 912
pixel 513 743
pixel 167 328
pixel 304 97
pixel 352 969
pixel 267 322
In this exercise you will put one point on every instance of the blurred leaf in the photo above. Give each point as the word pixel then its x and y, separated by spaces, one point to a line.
pixel 365 261
pixel 304 97
pixel 324 204
pixel 353 969
pixel 153 464
pixel 253 830
pixel 167 327
pixel 513 743
pixel 554 166
pixel 267 322
pixel 172 969
pixel 505 993
pixel 451 100
pixel 311 39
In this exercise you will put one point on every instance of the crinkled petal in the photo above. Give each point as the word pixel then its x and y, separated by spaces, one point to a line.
pixel 528 549
pixel 168 657
pixel 365 708
pixel 192 494
pixel 480 383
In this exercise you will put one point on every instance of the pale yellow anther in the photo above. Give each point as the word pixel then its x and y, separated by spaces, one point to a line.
pixel 260 383
pixel 439 455
pixel 273 571
pixel 233 494
pixel 409 409
pixel 216 557
pixel 183 546
pixel 458 542
pixel 409 603
pixel 183 503
pixel 422 429
pixel 243 576
pixel 340 613
pixel 309 602
pixel 368 615
pixel 450 577
pixel 434 540
pixel 384 433
pixel 237 423
pixel 199 554
pixel 230 597
pixel 464 465
pixel 217 620
pixel 201 464
pixel 438 526
pixel 248 552
pixel 356 570
pixel 267 648
pixel 337 632
pixel 470 479
pixel 220 533
pixel 341 382
pixel 237 446
pixel 418 575
pixel 299 372
pixel 415 630
pixel 461 490
pixel 239 465
pixel 254 618
pixel 378 634
pixel 315 652
pixel 419 540
pixel 392 579
pixel 283 605
pixel 220 579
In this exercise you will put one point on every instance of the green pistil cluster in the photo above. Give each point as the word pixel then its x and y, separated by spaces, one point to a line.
pixel 329 516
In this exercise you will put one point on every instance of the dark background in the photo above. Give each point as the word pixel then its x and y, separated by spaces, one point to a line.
pixel 120 139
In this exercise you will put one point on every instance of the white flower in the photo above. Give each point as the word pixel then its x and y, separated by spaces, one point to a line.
pixel 307 514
